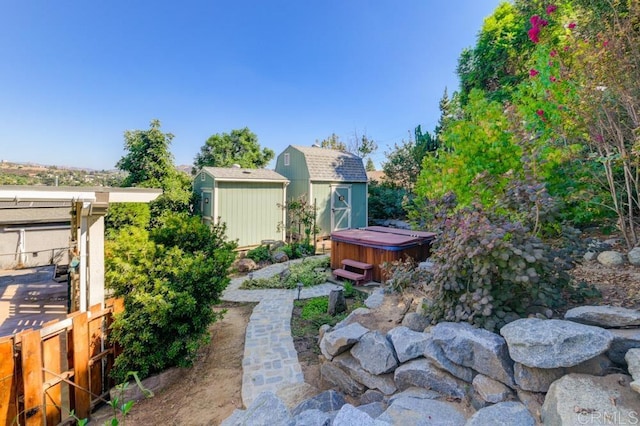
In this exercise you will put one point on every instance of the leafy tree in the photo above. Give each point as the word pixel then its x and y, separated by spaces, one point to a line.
pixel 238 147
pixel 333 142
pixel 370 167
pixel 386 201
pixel 148 161
pixel 478 152
pixel 402 166
pixel 494 64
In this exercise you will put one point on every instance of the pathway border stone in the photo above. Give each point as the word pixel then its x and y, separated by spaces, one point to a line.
pixel 270 359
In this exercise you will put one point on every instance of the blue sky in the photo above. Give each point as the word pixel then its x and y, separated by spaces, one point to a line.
pixel 74 75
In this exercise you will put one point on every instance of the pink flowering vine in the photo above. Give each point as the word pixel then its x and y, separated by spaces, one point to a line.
pixel 533 72
pixel 536 24
pixel 551 8
pixel 571 25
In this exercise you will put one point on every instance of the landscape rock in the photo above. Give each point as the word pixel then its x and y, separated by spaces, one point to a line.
pixel 326 401
pixel 280 257
pixel 590 255
pixel 341 339
pixel 554 343
pixel 312 417
pixel 245 265
pixel 337 302
pixel 374 409
pixel 502 414
pixel 600 365
pixel 533 401
pixel 536 379
pixel 350 416
pixel 232 420
pixel 582 399
pixel 422 412
pixel 355 317
pixel 384 383
pixel 423 373
pixel 491 390
pixel 479 349
pixel 337 377
pixel 266 410
pixel 633 362
pixel 414 321
pixel 294 394
pixel 375 299
pixel 623 340
pixel 375 353
pixel 324 328
pixel 407 343
pixel 604 316
pixel 634 256
pixel 611 258
pixel 372 395
pixel 415 392
pixel 436 355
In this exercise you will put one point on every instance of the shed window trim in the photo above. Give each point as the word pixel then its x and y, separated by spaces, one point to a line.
pixel 202 177
pixel 286 159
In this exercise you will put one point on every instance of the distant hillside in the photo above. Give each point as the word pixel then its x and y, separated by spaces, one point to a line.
pixel 37 174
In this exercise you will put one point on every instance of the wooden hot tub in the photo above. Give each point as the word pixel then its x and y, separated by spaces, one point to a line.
pixel 378 244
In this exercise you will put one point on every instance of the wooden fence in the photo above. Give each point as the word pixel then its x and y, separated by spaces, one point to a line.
pixel 46 374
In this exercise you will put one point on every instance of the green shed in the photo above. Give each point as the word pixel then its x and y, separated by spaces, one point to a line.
pixel 336 181
pixel 245 199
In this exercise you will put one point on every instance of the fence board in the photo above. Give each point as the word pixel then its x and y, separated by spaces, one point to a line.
pixel 95 347
pixel 8 385
pixel 80 366
pixel 52 350
pixel 32 377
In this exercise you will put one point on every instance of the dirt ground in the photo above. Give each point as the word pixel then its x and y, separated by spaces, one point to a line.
pixel 210 391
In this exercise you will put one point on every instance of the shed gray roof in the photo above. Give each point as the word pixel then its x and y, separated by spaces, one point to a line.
pixel 331 165
pixel 238 174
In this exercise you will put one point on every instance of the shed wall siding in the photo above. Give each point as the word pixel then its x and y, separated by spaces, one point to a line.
pixel 250 211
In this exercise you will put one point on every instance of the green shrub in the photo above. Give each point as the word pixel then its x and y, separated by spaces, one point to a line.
pixel 486 269
pixel 168 287
pixel 259 254
pixel 348 289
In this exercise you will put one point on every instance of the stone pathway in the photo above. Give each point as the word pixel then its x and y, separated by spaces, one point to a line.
pixel 270 359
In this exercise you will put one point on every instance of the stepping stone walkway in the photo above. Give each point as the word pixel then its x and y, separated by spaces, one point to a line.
pixel 270 359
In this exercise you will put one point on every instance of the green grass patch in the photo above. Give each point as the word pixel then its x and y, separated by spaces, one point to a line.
pixel 310 314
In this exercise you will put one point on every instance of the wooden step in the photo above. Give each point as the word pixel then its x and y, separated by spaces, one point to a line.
pixel 353 276
pixel 356 264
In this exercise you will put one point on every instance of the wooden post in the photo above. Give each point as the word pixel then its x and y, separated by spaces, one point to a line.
pixel 8 383
pixel 95 347
pixel 32 378
pixel 80 366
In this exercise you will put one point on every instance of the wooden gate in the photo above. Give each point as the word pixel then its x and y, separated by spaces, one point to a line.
pixel 47 374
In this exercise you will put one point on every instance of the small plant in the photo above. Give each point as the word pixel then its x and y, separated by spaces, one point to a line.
pixel 315 307
pixel 348 289
pixel 309 272
pixel 259 254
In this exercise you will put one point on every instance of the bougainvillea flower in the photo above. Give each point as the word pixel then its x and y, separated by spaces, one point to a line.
pixel 605 43
pixel 553 79
pixel 553 53
pixel 533 72
pixel 540 113
pixel 571 25
pixel 535 21
pixel 534 34
pixel 551 8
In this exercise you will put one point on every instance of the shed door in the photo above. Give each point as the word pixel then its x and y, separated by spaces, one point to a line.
pixel 340 207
